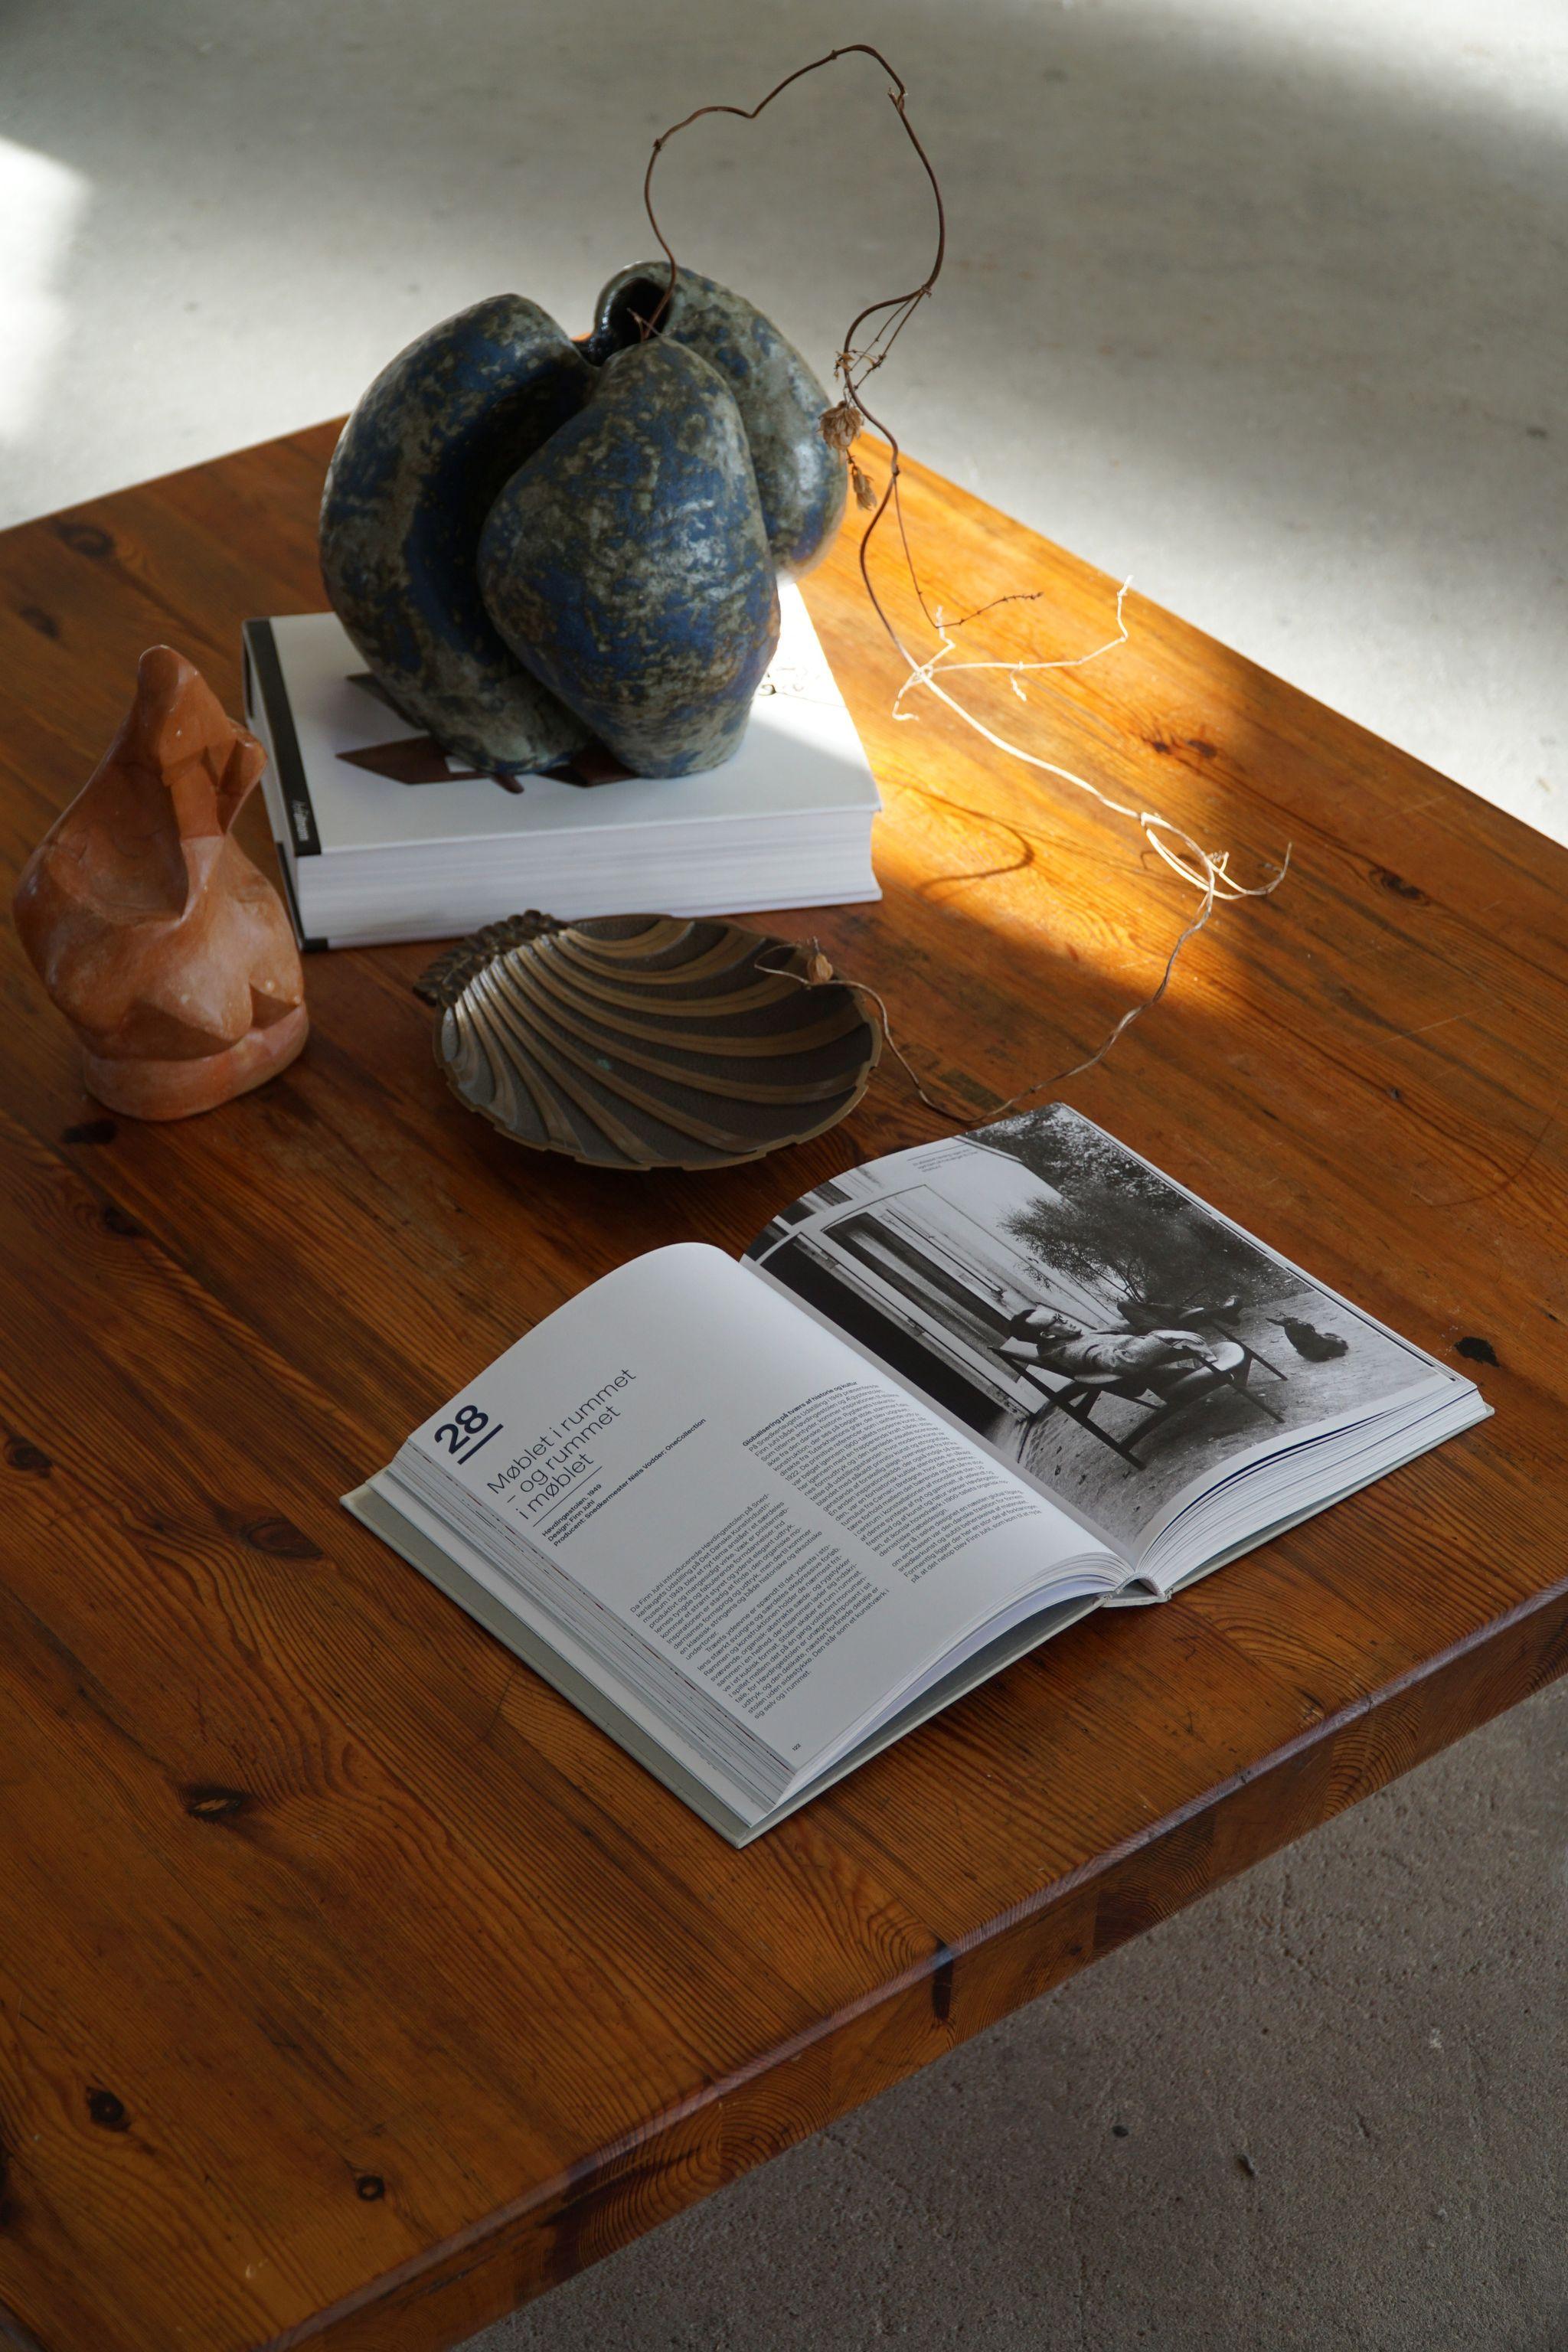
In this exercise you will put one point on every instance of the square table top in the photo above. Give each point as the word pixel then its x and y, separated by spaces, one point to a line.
pixel 353 1987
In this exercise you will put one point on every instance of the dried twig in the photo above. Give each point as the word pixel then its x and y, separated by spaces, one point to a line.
pixel 1207 871
pixel 749 114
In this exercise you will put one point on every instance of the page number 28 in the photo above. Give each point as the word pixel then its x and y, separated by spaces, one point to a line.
pixel 468 1430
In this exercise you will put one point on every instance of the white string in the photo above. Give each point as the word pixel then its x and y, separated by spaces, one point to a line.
pixel 1209 871
pixel 921 675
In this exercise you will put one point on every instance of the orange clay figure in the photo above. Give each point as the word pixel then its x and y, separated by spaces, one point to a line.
pixel 167 951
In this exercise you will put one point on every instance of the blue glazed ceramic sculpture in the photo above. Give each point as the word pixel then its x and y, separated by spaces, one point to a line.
pixel 411 481
pixel 627 563
pixel 800 480
pixel 535 542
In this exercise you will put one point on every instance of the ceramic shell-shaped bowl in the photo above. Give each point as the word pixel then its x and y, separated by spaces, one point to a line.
pixel 647 1041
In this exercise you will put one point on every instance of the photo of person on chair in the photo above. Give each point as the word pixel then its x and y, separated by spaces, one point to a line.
pixel 1166 1368
pixel 1041 1335
pixel 1097 1325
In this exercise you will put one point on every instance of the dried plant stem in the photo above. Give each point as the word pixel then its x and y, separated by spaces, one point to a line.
pixel 1206 871
pixel 749 115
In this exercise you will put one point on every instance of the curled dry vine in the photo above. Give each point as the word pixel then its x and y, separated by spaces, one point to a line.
pixel 1207 871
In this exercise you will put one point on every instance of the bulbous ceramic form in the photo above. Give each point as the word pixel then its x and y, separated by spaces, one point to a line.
pixel 627 564
pixel 800 480
pixel 413 476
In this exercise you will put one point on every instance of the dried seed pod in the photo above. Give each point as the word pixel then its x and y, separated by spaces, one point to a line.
pixel 841 427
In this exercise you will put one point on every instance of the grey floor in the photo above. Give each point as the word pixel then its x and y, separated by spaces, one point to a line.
pixel 1322 2109
pixel 1262 302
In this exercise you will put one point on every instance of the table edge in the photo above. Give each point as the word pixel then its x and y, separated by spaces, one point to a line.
pixel 930 1979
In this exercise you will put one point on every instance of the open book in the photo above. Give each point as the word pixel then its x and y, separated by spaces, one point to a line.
pixel 760 1519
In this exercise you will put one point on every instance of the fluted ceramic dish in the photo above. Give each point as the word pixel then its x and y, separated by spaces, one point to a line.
pixel 647 1041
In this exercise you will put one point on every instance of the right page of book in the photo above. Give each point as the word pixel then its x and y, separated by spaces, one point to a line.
pixel 1135 1354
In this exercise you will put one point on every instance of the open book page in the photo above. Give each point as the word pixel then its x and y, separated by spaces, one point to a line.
pixel 1131 1351
pixel 760 1537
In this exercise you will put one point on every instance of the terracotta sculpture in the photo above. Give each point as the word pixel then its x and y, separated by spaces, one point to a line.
pixel 167 951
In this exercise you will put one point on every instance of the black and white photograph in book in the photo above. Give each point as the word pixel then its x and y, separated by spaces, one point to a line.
pixel 1096 1324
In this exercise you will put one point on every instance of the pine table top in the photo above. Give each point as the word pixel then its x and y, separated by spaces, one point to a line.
pixel 352 1988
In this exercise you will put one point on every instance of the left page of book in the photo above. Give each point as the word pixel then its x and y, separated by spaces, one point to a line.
pixel 758 1536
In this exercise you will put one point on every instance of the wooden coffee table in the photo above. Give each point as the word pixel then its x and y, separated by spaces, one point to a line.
pixel 352 1988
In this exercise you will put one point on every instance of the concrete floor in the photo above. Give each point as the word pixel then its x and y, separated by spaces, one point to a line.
pixel 1261 301
pixel 1341 2087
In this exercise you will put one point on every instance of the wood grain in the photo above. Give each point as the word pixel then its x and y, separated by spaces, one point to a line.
pixel 352 1988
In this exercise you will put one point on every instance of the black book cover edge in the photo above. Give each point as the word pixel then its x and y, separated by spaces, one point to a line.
pixel 263 681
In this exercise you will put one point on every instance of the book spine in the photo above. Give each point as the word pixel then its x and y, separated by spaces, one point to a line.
pixel 283 785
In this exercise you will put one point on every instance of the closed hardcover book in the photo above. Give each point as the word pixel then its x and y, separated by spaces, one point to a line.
pixel 384 837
